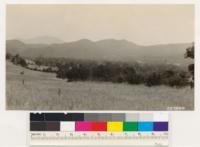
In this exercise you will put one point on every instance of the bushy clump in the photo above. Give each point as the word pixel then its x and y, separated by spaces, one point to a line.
pixel 153 78
pixel 9 56
pixel 74 71
pixel 17 60
pixel 179 79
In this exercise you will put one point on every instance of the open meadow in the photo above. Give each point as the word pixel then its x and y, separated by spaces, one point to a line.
pixel 43 91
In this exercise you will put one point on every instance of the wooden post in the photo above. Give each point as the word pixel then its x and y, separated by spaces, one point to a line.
pixel 59 92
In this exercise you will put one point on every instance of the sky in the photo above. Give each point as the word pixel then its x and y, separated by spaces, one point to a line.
pixel 141 24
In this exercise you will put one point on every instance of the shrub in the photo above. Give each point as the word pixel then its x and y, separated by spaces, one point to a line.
pixel 153 79
pixel 18 60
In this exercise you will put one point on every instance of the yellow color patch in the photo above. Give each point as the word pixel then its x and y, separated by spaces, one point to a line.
pixel 115 126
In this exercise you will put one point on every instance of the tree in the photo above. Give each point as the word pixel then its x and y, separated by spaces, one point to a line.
pixel 8 56
pixel 190 54
pixel 17 60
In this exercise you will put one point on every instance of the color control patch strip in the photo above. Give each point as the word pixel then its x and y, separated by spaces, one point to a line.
pixel 85 127
pixel 96 122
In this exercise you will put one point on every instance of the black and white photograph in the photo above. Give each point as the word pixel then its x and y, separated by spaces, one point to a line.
pixel 100 57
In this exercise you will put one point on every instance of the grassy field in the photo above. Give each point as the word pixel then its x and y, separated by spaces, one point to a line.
pixel 40 92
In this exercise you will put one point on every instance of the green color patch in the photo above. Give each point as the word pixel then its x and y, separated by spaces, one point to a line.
pixel 130 126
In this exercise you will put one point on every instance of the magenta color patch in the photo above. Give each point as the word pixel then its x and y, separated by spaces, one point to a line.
pixel 83 126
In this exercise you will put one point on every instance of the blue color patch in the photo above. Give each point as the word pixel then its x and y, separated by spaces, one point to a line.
pixel 145 126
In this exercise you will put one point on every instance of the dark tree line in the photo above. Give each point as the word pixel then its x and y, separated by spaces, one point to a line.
pixel 150 75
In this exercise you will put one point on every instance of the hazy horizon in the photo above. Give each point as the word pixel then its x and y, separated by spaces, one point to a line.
pixel 22 40
pixel 140 24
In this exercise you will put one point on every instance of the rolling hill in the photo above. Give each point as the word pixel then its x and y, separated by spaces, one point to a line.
pixel 109 49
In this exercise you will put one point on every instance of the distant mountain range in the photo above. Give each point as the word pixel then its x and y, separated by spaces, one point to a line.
pixel 108 49
pixel 42 40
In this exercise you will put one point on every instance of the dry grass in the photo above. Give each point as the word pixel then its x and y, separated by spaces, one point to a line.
pixel 40 92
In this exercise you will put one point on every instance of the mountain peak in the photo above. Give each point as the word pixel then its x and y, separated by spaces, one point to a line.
pixel 84 40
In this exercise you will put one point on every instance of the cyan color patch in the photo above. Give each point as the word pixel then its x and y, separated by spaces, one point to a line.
pixel 145 126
